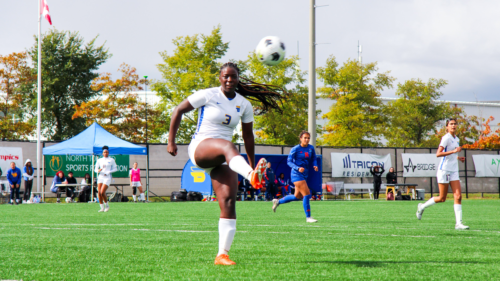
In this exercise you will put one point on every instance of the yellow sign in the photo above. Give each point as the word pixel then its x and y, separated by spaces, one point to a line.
pixel 198 175
pixel 55 163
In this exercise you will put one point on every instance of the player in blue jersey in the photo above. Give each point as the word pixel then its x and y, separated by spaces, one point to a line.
pixel 300 159
pixel 220 110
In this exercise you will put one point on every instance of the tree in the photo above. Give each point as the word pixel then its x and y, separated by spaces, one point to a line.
pixel 356 118
pixel 119 109
pixel 193 66
pixel 280 127
pixel 14 73
pixel 415 113
pixel 467 130
pixel 487 139
pixel 68 68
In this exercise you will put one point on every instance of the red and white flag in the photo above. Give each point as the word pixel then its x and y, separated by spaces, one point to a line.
pixel 44 11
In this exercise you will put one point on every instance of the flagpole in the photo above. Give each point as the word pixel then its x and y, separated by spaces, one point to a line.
pixel 39 99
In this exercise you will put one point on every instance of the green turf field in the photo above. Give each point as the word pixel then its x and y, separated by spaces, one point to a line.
pixel 357 240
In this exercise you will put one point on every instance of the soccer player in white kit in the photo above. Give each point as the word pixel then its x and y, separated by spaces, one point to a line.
pixel 220 110
pixel 447 174
pixel 104 166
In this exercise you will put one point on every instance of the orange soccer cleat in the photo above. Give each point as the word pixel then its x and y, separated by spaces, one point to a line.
pixel 223 260
pixel 258 173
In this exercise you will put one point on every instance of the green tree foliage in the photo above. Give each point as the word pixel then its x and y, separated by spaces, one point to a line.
pixel 414 115
pixel 356 118
pixel 192 66
pixel 280 127
pixel 68 68
pixel 14 73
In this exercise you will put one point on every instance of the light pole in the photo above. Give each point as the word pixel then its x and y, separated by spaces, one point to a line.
pixel 146 96
pixel 147 146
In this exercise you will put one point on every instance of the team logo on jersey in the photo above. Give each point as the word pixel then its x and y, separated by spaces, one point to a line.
pixel 307 154
pixel 238 108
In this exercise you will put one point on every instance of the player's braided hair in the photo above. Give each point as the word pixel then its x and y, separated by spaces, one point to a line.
pixel 271 97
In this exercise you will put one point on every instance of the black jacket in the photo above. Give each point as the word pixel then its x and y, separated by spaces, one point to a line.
pixel 377 176
pixel 391 177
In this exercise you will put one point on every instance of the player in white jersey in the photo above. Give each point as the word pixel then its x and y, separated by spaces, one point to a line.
pixel 104 166
pixel 447 174
pixel 220 110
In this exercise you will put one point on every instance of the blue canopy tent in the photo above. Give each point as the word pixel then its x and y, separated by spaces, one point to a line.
pixel 91 141
pixel 195 179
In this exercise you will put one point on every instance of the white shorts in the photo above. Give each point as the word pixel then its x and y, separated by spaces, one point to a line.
pixel 447 176
pixel 106 181
pixel 136 183
pixel 192 149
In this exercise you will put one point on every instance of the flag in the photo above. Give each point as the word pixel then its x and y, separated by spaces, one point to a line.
pixel 45 11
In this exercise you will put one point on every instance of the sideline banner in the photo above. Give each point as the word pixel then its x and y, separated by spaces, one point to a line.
pixel 11 154
pixel 357 165
pixel 487 165
pixel 420 165
pixel 82 164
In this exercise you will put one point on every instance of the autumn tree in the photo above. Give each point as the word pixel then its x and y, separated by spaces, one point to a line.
pixel 487 139
pixel 467 128
pixel 119 109
pixel 69 66
pixel 356 118
pixel 414 115
pixel 192 66
pixel 280 127
pixel 14 73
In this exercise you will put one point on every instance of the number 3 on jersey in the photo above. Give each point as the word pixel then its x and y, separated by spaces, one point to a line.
pixel 228 120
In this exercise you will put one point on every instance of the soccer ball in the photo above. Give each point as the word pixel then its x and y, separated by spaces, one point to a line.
pixel 68 199
pixel 270 50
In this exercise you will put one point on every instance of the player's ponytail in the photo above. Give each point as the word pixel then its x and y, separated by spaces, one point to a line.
pixel 271 97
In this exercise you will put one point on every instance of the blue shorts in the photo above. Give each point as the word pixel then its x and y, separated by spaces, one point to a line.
pixel 296 176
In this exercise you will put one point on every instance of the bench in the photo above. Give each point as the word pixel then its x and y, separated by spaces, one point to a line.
pixel 350 188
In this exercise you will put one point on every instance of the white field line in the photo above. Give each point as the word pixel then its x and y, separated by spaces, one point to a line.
pixel 136 229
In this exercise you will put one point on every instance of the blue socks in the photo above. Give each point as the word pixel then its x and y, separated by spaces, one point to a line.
pixel 307 206
pixel 288 198
pixel 305 203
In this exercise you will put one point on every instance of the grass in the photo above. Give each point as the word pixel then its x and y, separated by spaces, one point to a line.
pixel 357 240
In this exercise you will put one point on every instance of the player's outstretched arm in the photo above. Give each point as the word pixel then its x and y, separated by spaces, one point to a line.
pixel 175 122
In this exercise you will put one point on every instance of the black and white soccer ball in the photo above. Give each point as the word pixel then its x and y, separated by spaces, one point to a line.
pixel 270 50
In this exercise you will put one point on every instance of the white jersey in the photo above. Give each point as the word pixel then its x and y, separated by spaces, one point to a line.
pixel 108 166
pixel 218 115
pixel 450 162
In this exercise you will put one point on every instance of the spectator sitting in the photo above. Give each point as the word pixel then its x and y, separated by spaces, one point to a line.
pixel 392 177
pixel 28 180
pixel 246 187
pixel 284 185
pixel 14 178
pixel 70 190
pixel 58 179
pixel 86 190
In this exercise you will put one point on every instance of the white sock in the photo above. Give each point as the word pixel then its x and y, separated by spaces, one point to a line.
pixel 135 198
pixel 102 206
pixel 142 196
pixel 107 204
pixel 227 229
pixel 458 212
pixel 429 203
pixel 240 166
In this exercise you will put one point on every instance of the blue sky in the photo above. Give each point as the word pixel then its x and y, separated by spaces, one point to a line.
pixel 454 40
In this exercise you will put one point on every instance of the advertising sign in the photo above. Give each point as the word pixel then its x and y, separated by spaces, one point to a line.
pixel 11 154
pixel 420 165
pixel 487 165
pixel 82 164
pixel 357 165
